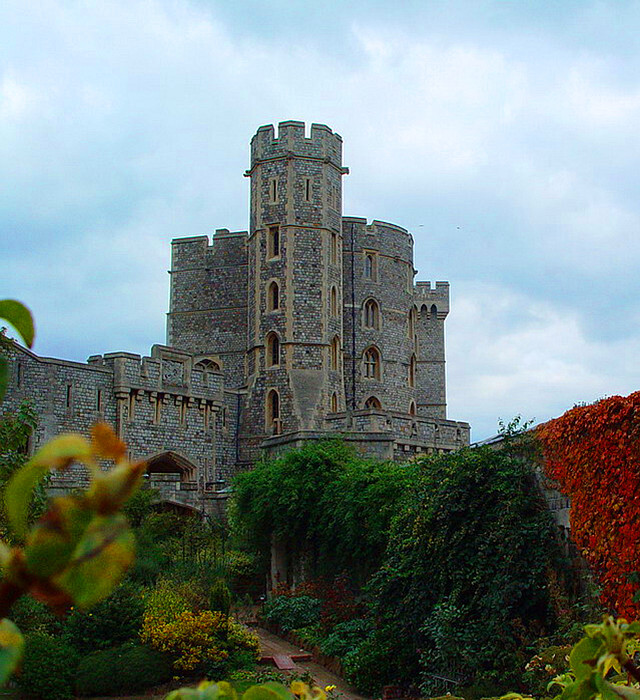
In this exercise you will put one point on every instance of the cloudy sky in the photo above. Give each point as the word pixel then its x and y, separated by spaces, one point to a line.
pixel 504 135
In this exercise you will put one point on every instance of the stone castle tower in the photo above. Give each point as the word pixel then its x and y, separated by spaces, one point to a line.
pixel 294 348
pixel 308 325
pixel 314 318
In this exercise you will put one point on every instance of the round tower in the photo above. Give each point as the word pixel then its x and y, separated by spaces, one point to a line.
pixel 295 340
pixel 379 317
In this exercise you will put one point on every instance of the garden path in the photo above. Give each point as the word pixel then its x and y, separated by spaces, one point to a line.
pixel 271 644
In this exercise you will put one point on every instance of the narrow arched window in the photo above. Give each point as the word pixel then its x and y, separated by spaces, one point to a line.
pixel 412 371
pixel 335 353
pixel 273 350
pixel 334 248
pixel 434 312
pixel 371 314
pixel 274 423
pixel 411 323
pixel 369 266
pixel 372 363
pixel 412 408
pixel 207 366
pixel 334 302
pixel 334 402
pixel 372 403
pixel 273 243
pixel 273 190
pixel 273 297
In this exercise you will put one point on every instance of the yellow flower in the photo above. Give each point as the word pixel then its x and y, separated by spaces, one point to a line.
pixel 303 691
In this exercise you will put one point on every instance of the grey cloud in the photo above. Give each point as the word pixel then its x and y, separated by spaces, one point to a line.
pixel 502 134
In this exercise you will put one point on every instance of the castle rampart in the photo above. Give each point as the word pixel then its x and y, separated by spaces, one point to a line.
pixel 307 325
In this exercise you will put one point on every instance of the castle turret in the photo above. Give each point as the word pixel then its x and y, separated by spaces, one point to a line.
pixel 380 332
pixel 294 352
pixel 433 307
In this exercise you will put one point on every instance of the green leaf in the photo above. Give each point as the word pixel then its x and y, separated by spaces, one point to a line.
pixel 184 694
pixel 584 656
pixel 282 691
pixel 621 691
pixel 205 691
pixel 55 537
pixel 20 318
pixel 224 691
pixel 57 453
pixel 4 376
pixel 17 497
pixel 11 646
pixel 582 690
pixel 267 691
pixel 604 688
pixel 101 558
pixel 593 630
pixel 110 490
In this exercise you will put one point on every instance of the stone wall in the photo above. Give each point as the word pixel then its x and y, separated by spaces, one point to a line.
pixel 168 410
pixel 198 408
pixel 389 284
pixel 208 300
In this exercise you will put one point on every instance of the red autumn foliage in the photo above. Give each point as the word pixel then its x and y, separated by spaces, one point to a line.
pixel 593 455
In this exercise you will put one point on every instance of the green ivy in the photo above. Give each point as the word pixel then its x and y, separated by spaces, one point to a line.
pixel 466 569
pixel 324 503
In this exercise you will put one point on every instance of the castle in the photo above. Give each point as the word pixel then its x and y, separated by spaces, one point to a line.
pixel 308 325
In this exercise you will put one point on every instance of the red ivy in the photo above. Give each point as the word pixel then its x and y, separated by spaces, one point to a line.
pixel 593 454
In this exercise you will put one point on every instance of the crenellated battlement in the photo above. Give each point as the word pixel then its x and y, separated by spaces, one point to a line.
pixel 427 287
pixel 204 242
pixel 202 251
pixel 308 325
pixel 168 371
pixel 323 143
pixel 426 294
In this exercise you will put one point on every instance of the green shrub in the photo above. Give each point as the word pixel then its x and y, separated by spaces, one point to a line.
pixel 346 637
pixel 310 635
pixel 239 660
pixel 220 597
pixel 290 613
pixel 371 665
pixel 115 620
pixel 240 563
pixel 543 667
pixel 123 670
pixel 243 679
pixel 48 668
pixel 323 494
pixel 141 505
pixel 33 616
pixel 465 576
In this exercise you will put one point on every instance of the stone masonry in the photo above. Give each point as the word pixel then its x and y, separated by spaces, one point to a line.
pixel 309 325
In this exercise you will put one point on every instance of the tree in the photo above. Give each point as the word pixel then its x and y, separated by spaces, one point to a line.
pixel 15 430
